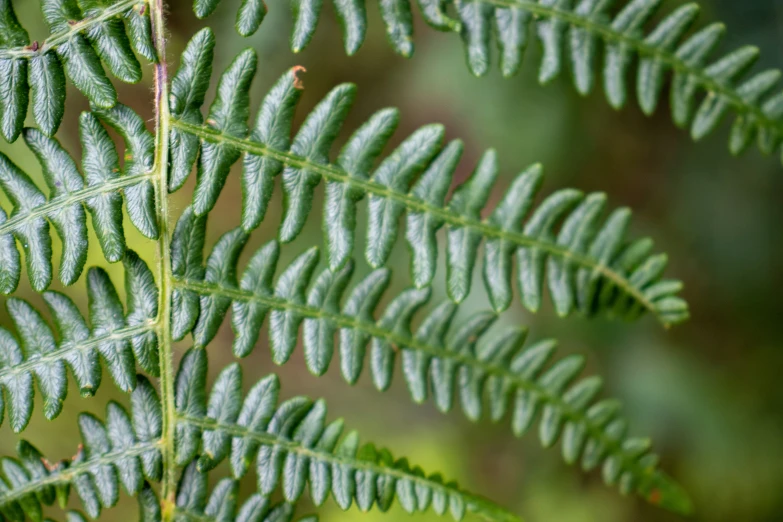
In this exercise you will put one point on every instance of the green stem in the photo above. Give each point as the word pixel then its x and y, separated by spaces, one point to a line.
pixel 66 349
pixel 162 118
pixel 52 206
pixel 412 203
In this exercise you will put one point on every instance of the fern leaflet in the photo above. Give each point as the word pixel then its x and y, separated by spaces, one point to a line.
pixel 124 451
pixel 589 266
pixel 83 36
pixel 447 361
pixel 575 31
pixel 122 340
pixel 65 207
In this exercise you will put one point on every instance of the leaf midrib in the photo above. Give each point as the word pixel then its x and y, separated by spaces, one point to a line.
pixel 16 221
pixel 160 169
pixel 70 347
pixel 66 475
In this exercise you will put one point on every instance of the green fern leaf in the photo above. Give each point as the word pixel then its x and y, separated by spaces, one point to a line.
pixel 587 265
pixel 112 455
pixel 578 30
pixel 183 432
pixel 121 340
pixel 352 14
pixel 188 89
pixel 292 445
pixel 69 196
pixel 222 503
pixel 464 362
pixel 83 36
pixel 289 442
pixel 228 113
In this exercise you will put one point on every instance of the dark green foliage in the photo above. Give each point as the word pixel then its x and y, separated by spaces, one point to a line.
pixel 120 452
pixel 576 31
pixel 448 360
pixel 120 339
pixel 584 259
pixel 70 194
pixel 292 446
pixel 84 35
pixel 188 89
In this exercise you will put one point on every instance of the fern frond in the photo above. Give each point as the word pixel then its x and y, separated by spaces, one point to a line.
pixel 576 31
pixel 70 194
pixel 563 243
pixel 83 36
pixel 292 446
pixel 122 451
pixel 715 84
pixel 397 18
pixel 191 501
pixel 289 442
pixel 120 339
pixel 588 264
pixel 222 504
pixel 484 370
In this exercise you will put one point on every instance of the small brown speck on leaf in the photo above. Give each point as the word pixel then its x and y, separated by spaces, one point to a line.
pixel 79 451
pixel 142 9
pixel 295 70
pixel 655 496
pixel 35 46
pixel 48 465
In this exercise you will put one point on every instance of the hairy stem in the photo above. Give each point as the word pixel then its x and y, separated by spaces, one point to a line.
pixel 169 482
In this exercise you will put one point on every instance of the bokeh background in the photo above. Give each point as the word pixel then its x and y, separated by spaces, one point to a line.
pixel 708 392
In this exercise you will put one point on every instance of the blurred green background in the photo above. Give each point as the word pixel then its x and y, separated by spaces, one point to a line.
pixel 708 392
